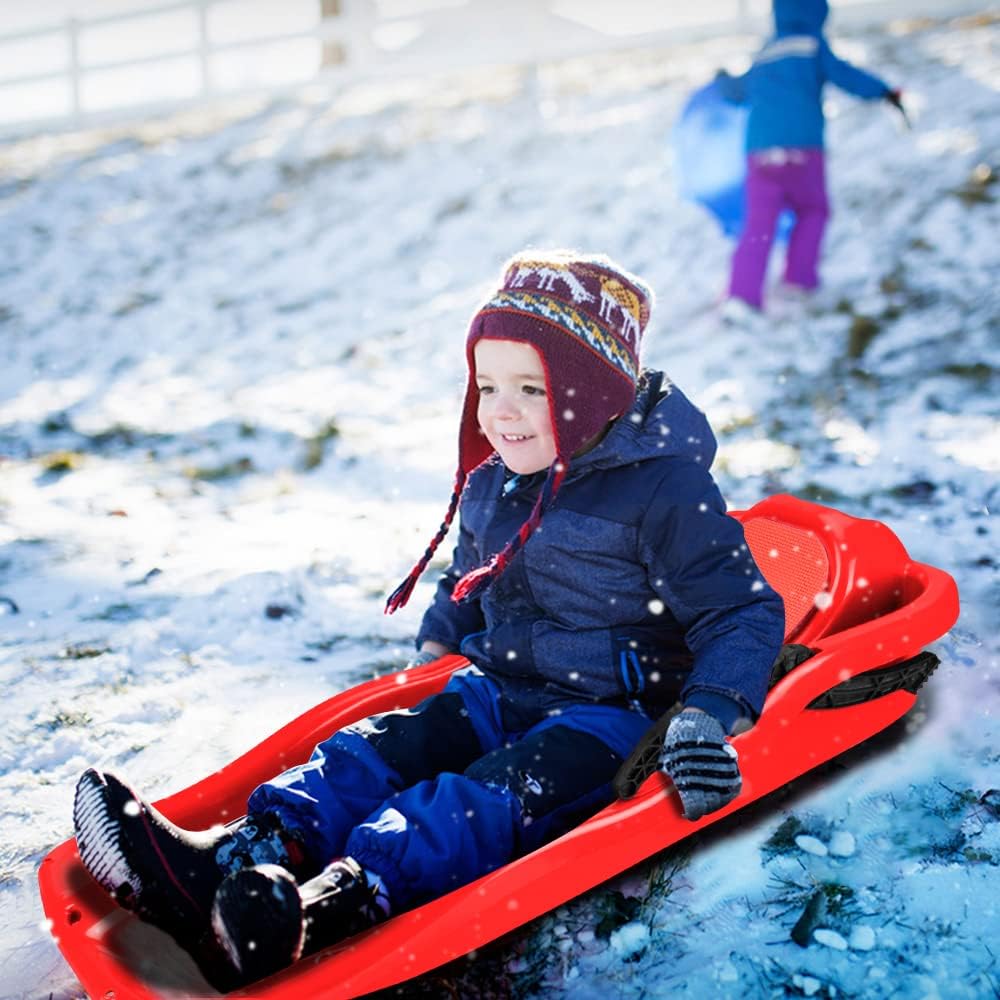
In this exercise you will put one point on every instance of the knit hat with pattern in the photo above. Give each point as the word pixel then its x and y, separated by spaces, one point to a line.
pixel 585 316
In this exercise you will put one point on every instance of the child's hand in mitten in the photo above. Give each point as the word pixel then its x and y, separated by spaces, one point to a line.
pixel 429 652
pixel 702 765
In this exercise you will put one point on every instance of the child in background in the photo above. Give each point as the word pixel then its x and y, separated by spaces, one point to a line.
pixel 597 580
pixel 785 161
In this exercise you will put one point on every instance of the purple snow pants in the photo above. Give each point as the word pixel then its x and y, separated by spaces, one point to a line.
pixel 778 179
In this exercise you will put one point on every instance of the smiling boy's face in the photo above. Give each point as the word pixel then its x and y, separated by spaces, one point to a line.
pixel 513 407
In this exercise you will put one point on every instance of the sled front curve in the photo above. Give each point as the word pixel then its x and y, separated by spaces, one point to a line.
pixel 876 607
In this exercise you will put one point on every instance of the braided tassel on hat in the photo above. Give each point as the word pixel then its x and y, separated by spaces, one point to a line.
pixel 475 582
pixel 398 598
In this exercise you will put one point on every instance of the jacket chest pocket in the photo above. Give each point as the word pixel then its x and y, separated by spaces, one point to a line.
pixel 585 569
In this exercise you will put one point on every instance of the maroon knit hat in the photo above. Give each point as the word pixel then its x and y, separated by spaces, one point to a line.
pixel 585 316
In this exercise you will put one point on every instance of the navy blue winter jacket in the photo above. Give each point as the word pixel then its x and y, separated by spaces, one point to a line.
pixel 636 588
pixel 784 85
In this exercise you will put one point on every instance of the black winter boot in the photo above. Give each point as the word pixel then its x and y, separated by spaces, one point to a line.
pixel 265 922
pixel 167 875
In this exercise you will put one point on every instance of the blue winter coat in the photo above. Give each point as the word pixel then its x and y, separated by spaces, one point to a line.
pixel 784 85
pixel 636 588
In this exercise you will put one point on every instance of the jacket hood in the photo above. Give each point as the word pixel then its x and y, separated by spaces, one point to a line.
pixel 662 422
pixel 800 17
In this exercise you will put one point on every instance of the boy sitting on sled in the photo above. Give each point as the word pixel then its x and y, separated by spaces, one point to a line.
pixel 596 581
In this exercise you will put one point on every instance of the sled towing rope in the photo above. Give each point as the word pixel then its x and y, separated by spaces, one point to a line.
pixel 858 613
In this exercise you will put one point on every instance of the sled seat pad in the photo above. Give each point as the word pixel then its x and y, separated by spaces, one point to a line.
pixel 794 562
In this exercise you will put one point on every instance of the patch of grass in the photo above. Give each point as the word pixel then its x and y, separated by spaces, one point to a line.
pixel 303 170
pixel 454 206
pixel 660 884
pixel 978 856
pixel 614 910
pixel 83 651
pixel 782 841
pixel 960 800
pixel 116 613
pixel 121 683
pixel 217 473
pixel 976 372
pixel 840 899
pixel 977 189
pixel 737 423
pixel 122 435
pixel 821 494
pixel 60 462
pixel 918 491
pixel 316 445
pixel 863 330
pixel 64 719
pixel 54 423
pixel 326 644
pixel 983 20
pixel 890 284
pixel 136 300
pixel 863 376
pixel 815 903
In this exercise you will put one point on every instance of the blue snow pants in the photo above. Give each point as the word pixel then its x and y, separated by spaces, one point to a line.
pixel 432 797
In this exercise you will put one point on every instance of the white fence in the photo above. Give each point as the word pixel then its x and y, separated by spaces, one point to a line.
pixel 152 56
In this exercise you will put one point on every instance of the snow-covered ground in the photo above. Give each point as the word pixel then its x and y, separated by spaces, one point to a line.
pixel 231 365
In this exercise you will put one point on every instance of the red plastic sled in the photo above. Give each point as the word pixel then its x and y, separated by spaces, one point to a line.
pixel 852 596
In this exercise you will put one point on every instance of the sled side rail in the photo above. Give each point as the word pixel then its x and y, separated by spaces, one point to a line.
pixel 221 797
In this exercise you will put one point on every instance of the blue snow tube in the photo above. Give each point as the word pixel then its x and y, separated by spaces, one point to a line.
pixel 709 141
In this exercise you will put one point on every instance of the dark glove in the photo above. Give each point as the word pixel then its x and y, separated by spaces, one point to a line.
pixel 702 765
pixel 895 98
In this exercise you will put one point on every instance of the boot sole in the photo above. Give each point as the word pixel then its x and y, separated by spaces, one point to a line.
pixel 99 841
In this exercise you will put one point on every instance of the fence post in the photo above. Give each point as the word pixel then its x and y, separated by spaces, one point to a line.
pixel 334 53
pixel 73 38
pixel 204 49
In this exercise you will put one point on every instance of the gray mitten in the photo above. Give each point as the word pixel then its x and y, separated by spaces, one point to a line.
pixel 702 765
